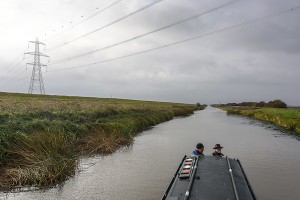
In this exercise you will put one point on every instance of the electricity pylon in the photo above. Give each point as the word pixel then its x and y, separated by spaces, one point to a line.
pixel 36 83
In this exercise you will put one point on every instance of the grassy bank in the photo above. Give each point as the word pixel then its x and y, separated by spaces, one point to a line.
pixel 286 118
pixel 42 136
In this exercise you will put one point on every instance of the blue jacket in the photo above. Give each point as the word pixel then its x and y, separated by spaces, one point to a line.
pixel 196 153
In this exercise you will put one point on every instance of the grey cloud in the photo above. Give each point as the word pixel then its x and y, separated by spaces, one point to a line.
pixel 256 62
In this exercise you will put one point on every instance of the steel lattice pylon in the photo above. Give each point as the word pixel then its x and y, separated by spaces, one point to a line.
pixel 36 83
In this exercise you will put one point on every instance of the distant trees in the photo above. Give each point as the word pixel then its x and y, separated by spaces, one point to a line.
pixel 276 104
pixel 261 104
pixel 271 104
pixel 201 107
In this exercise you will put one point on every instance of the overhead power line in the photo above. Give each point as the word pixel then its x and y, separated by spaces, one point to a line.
pixel 144 34
pixel 89 17
pixel 15 79
pixel 14 70
pixel 11 63
pixel 107 25
pixel 185 40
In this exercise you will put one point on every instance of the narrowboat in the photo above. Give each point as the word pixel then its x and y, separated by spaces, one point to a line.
pixel 209 178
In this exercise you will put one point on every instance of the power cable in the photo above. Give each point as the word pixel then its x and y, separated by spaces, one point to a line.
pixel 185 40
pixel 16 87
pixel 89 17
pixel 144 34
pixel 107 25
pixel 10 71
pixel 15 77
pixel 15 70
pixel 16 81
pixel 8 66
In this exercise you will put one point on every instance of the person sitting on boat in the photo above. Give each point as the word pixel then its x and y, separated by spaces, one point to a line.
pixel 218 150
pixel 199 149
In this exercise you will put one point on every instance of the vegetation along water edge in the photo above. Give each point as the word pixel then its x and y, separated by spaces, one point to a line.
pixel 275 112
pixel 42 136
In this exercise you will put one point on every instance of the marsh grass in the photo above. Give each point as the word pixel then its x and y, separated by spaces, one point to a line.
pixel 40 159
pixel 42 136
pixel 285 118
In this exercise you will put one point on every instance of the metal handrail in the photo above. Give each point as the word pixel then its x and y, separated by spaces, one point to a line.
pixel 187 193
pixel 232 179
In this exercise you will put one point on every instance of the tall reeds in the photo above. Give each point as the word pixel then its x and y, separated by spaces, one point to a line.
pixel 41 137
pixel 39 159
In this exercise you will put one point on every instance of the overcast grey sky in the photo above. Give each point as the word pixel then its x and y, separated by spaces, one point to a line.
pixel 254 62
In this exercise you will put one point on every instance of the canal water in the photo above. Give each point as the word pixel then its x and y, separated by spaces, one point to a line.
pixel 270 158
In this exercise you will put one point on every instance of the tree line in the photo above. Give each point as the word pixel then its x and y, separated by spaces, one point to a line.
pixel 271 104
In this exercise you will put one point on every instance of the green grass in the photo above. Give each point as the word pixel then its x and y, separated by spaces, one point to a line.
pixel 42 136
pixel 286 118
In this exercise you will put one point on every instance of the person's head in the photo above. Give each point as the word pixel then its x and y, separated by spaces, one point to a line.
pixel 200 148
pixel 218 148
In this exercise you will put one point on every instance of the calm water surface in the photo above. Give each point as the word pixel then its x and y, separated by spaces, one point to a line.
pixel 143 171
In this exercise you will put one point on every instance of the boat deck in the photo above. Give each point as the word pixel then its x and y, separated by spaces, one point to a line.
pixel 209 177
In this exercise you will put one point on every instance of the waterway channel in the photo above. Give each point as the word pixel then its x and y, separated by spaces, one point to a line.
pixel 270 158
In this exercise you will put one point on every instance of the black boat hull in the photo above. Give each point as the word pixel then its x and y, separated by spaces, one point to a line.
pixel 211 178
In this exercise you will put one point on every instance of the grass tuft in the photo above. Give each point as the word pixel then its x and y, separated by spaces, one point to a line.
pixel 40 159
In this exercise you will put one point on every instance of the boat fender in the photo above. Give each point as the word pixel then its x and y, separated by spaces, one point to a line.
pixel 187 193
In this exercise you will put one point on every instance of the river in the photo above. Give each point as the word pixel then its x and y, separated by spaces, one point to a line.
pixel 271 160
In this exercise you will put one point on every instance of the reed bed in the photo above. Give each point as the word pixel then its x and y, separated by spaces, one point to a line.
pixel 42 137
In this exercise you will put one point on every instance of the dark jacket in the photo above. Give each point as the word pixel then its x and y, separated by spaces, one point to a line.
pixel 217 154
